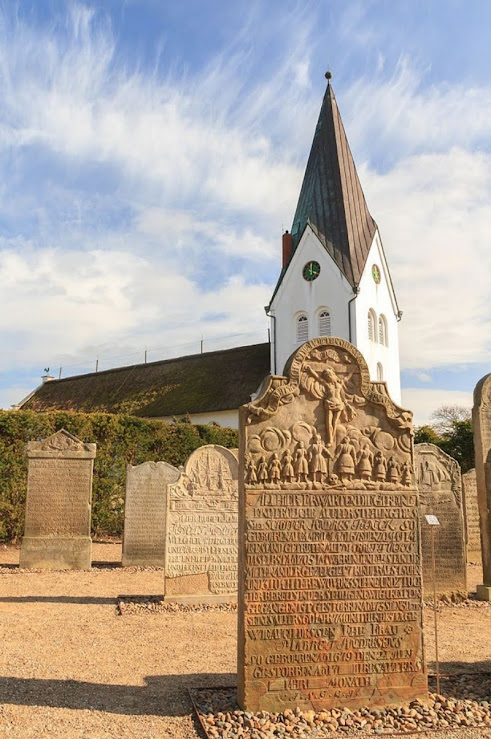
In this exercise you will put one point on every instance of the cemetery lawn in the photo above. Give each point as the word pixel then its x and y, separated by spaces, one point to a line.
pixel 70 666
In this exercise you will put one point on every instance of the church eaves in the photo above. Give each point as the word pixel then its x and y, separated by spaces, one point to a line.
pixel 331 199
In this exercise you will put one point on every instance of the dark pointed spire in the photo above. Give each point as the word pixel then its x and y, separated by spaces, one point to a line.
pixel 331 199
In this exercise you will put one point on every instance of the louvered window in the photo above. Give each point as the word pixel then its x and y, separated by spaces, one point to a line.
pixel 324 323
pixel 382 331
pixel 302 329
pixel 372 333
pixel 380 372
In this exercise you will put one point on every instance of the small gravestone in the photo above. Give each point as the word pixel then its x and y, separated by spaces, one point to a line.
pixel 473 535
pixel 59 492
pixel 481 418
pixel 145 513
pixel 201 539
pixel 330 607
pixel 440 493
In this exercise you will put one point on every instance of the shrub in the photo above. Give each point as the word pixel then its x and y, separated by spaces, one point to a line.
pixel 120 440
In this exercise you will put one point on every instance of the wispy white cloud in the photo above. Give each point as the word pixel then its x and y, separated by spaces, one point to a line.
pixel 424 401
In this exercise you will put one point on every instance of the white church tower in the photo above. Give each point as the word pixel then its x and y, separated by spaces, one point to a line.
pixel 335 279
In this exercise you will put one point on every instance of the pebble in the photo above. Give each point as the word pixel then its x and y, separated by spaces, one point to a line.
pixel 465 701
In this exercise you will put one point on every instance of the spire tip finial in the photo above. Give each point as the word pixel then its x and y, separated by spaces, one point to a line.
pixel 328 75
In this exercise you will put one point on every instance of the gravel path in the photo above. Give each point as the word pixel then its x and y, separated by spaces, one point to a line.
pixel 70 666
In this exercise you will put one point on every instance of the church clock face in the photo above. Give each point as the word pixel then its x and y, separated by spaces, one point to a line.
pixel 311 271
pixel 376 274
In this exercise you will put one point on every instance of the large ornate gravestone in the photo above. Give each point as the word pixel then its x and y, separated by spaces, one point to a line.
pixel 481 419
pixel 440 493
pixel 145 513
pixel 201 531
pixel 473 535
pixel 330 595
pixel 59 492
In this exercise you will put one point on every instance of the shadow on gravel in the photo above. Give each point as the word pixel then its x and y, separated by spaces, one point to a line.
pixel 82 599
pixel 462 668
pixel 163 695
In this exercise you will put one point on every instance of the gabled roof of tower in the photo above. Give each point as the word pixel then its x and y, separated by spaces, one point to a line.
pixel 331 199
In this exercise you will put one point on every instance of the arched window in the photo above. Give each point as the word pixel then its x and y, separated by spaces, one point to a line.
pixel 302 329
pixel 380 372
pixel 382 330
pixel 372 323
pixel 324 323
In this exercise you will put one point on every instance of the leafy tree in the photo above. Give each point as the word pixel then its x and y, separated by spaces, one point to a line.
pixel 426 435
pixel 446 415
pixel 459 443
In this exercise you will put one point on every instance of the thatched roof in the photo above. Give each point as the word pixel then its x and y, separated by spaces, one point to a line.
pixel 199 383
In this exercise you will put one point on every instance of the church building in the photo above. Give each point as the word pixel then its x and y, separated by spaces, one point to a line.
pixel 334 281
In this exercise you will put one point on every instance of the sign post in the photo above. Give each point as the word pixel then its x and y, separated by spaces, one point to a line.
pixel 433 521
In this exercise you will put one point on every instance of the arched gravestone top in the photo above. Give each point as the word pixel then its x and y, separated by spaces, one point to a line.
pixel 201 531
pixel 329 561
pixel 439 482
pixel 145 513
pixel 481 417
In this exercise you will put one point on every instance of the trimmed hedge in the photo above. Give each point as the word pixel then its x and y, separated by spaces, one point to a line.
pixel 120 440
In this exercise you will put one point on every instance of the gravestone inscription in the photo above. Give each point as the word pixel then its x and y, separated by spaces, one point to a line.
pixel 145 513
pixel 481 421
pixel 329 560
pixel 201 536
pixel 440 494
pixel 58 505
pixel 473 535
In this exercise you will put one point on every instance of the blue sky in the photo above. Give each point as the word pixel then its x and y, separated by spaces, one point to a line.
pixel 152 152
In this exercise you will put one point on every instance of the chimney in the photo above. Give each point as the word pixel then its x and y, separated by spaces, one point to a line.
pixel 47 378
pixel 287 247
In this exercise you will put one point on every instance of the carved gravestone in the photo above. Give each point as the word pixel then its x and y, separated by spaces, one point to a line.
pixel 329 562
pixel 59 492
pixel 440 494
pixel 481 420
pixel 145 513
pixel 201 538
pixel 473 536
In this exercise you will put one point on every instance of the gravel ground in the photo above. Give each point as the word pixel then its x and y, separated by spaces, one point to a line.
pixel 71 666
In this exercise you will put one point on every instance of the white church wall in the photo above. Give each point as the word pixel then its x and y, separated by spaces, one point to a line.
pixel 378 298
pixel 223 418
pixel 296 295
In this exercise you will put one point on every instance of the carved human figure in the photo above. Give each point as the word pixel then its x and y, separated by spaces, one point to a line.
pixel 329 387
pixel 318 463
pixel 262 470
pixel 301 466
pixel 346 459
pixel 274 469
pixel 365 463
pixel 251 474
pixel 406 473
pixel 393 472
pixel 287 471
pixel 379 467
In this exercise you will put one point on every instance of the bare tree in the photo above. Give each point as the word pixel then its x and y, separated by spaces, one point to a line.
pixel 443 418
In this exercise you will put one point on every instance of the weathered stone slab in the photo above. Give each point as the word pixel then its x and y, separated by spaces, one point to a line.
pixel 330 585
pixel 59 492
pixel 201 539
pixel 145 513
pixel 440 494
pixel 473 535
pixel 481 421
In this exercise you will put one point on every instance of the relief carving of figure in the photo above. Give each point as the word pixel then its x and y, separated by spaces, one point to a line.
pixel 406 473
pixel 318 462
pixel 346 459
pixel 365 463
pixel 329 388
pixel 380 467
pixel 301 463
pixel 288 472
pixel 262 471
pixel 274 469
pixel 251 474
pixel 393 471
